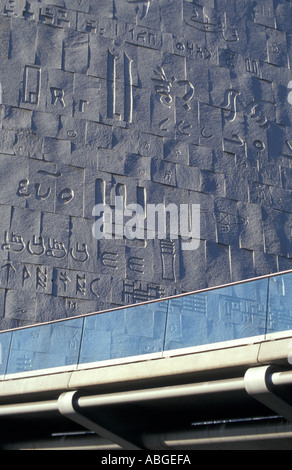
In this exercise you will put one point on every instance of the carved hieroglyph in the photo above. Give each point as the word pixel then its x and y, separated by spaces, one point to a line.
pixel 155 101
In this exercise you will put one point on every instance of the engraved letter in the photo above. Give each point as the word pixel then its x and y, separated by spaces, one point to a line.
pixel 128 89
pixel 31 84
pixel 290 94
pixel 111 85
pixel 58 96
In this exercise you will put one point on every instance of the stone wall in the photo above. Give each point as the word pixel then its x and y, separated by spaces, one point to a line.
pixel 157 101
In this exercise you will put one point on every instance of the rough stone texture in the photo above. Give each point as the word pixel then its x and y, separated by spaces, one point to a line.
pixel 160 101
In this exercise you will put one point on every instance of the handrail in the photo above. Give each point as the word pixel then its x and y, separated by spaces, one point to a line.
pixel 244 309
pixel 162 299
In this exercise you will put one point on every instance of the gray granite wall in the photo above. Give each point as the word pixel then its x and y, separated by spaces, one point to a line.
pixel 158 101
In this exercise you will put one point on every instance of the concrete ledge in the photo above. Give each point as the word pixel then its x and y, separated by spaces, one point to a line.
pixel 224 362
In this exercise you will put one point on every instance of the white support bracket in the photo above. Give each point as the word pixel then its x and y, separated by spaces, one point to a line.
pixel 68 407
pixel 257 382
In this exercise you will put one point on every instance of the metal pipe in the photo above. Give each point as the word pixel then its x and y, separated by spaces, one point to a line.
pixel 221 435
pixel 204 388
pixel 68 407
pixel 281 378
pixel 217 386
pixel 29 408
pixel 258 382
pixel 253 382
pixel 63 443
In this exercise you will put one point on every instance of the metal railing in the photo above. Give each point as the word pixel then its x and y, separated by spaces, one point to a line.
pixel 245 309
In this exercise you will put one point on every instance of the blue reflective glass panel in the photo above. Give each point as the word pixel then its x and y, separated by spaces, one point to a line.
pixel 280 303
pixel 45 346
pixel 5 340
pixel 123 333
pixel 223 314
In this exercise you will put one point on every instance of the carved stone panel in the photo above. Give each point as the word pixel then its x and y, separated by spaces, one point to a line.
pixel 129 104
